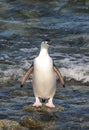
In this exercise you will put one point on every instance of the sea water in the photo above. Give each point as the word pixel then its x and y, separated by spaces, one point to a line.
pixel 23 26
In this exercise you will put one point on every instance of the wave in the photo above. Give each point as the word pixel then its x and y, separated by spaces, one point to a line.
pixel 76 70
pixel 71 70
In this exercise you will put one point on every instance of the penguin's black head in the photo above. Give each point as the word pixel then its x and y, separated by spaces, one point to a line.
pixel 48 40
pixel 46 43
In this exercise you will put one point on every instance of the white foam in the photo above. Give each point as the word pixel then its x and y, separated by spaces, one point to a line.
pixel 72 67
pixel 75 69
pixel 29 50
pixel 26 64
pixel 10 73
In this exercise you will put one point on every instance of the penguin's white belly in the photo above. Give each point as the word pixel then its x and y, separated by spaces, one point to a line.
pixel 44 80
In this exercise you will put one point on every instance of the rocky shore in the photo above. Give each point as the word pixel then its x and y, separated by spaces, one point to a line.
pixel 71 112
pixel 37 118
pixel 44 118
pixel 6 124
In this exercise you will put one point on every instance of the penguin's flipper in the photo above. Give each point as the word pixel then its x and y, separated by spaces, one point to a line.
pixel 59 75
pixel 29 71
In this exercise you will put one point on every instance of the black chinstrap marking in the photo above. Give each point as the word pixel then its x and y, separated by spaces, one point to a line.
pixel 48 40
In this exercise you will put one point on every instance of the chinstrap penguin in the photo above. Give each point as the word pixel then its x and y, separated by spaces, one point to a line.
pixel 43 78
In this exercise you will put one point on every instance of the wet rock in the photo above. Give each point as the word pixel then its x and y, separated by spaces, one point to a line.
pixel 14 127
pixel 44 108
pixel 6 122
pixel 38 122
pixel 30 122
pixel 43 114
pixel 41 117
pixel 10 125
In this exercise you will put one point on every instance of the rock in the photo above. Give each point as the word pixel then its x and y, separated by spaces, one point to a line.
pixel 30 122
pixel 5 122
pixel 40 117
pixel 45 122
pixel 44 108
pixel 14 127
pixel 10 125
pixel 36 118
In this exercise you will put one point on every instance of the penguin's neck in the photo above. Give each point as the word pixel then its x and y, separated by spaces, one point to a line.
pixel 43 52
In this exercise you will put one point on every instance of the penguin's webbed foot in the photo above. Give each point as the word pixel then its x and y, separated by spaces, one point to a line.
pixel 50 103
pixel 37 103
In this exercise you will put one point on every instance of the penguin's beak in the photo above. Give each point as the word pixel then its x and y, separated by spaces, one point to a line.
pixel 48 45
